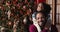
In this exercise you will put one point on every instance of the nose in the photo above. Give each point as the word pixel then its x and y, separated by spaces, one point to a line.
pixel 40 19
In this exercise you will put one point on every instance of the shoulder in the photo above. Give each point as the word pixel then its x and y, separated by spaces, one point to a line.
pixel 32 26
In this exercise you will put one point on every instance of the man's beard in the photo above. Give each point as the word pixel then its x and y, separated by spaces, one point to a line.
pixel 41 24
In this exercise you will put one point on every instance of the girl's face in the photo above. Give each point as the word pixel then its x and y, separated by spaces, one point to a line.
pixel 40 7
pixel 40 18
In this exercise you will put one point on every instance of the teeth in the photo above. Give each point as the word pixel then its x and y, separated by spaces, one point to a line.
pixel 40 23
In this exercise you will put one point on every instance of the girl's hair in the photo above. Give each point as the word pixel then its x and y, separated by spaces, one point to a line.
pixel 46 7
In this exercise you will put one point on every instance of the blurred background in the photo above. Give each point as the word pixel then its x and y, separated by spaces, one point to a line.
pixel 12 13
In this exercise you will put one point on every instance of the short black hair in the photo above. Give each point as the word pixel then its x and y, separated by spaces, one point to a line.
pixel 39 12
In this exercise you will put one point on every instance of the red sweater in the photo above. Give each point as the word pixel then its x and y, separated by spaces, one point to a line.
pixel 32 28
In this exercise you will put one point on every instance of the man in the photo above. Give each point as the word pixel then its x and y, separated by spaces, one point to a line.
pixel 39 26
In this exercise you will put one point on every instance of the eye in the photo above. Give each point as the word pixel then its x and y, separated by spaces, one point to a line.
pixel 39 6
pixel 42 17
pixel 37 18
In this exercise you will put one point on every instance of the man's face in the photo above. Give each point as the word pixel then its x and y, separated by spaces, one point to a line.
pixel 40 19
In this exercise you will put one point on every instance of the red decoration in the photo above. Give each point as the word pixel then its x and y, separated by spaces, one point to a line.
pixel 38 1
